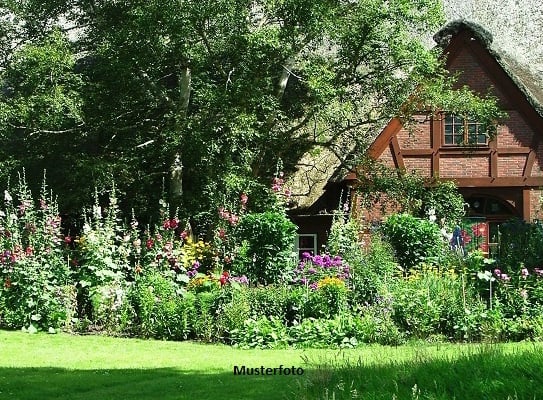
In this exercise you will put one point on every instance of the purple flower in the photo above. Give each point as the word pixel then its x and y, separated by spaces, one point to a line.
pixel 192 273
pixel 318 260
pixel 195 265
pixel 497 272
pixel 313 286
pixel 240 279
pixel 524 273
pixel 306 255
pixel 312 270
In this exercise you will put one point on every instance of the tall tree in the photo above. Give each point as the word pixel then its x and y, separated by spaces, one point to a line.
pixel 210 94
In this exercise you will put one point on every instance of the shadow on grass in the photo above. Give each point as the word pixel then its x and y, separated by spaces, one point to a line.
pixel 480 374
pixel 483 374
pixel 134 384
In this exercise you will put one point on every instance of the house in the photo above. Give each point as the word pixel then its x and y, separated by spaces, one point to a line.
pixel 500 178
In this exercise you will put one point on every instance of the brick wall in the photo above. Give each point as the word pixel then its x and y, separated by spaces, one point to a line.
pixel 474 76
pixel 386 158
pixel 511 165
pixel 464 165
pixel 422 166
pixel 416 137
pixel 514 131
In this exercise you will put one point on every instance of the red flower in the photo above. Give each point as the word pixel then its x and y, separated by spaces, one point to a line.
pixel 174 223
pixel 149 243
pixel 29 251
pixel 465 237
pixel 67 239
pixel 166 224
pixel 224 278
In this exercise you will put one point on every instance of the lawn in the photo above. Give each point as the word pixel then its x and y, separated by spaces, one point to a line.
pixel 94 367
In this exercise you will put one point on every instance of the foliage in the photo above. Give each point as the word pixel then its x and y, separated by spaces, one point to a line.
pixel 409 192
pixel 266 246
pixel 36 287
pixel 429 302
pixel 414 240
pixel 520 243
pixel 221 88
pixel 161 312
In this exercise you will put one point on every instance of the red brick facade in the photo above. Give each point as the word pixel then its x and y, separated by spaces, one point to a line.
pixel 507 170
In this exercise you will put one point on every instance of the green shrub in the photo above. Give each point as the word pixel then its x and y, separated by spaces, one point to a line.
pixel 372 274
pixel 266 251
pixel 328 300
pixel 204 317
pixel 264 332
pixel 414 240
pixel 162 313
pixel 112 312
pixel 520 243
pixel 233 310
pixel 431 302
pixel 286 303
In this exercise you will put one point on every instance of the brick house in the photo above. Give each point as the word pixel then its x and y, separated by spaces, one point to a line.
pixel 499 179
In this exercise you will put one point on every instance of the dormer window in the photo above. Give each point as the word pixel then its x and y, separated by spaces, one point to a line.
pixel 461 131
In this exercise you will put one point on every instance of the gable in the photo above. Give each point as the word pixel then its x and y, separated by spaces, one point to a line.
pixel 511 163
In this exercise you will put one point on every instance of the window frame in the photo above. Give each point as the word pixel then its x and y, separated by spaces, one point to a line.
pixel 299 250
pixel 467 129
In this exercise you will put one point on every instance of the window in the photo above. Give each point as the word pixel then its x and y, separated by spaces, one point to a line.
pixel 306 243
pixel 460 131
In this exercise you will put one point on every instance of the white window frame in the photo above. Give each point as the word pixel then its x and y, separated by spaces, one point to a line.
pixel 298 250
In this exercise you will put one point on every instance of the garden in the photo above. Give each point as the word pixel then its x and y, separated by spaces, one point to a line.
pixel 242 286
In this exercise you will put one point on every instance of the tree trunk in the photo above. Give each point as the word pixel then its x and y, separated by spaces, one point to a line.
pixel 176 170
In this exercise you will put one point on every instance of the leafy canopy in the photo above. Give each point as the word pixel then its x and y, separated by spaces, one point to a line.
pixel 116 88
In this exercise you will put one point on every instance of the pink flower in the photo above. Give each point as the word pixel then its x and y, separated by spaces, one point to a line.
pixel 524 273
pixel 244 199
pixel 149 243
pixel 184 235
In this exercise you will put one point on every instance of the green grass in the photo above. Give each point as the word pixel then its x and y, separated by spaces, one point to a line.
pixel 100 368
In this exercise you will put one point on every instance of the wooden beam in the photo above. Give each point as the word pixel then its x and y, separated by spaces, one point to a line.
pixel 514 150
pixel 417 152
pixel 498 182
pixel 435 129
pixel 396 153
pixel 493 158
pixel 527 172
pixel 383 140
pixel 526 206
